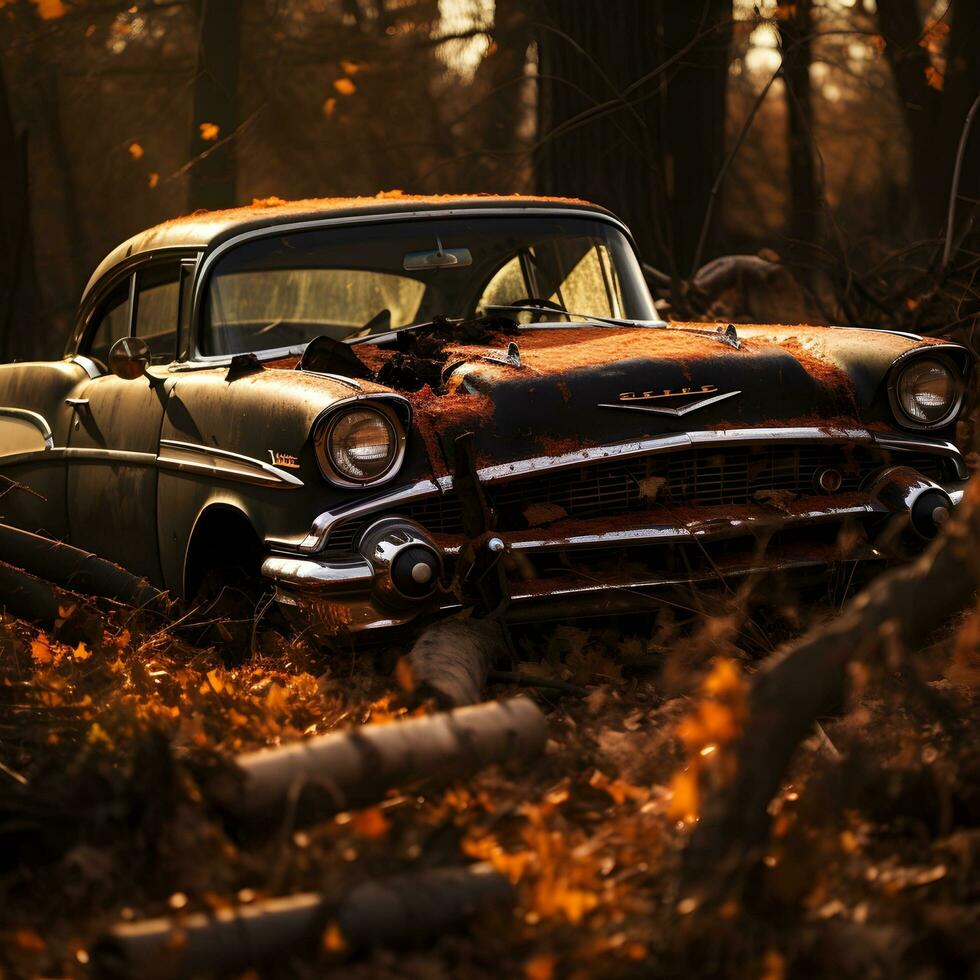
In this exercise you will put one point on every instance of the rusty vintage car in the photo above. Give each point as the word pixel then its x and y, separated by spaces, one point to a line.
pixel 388 407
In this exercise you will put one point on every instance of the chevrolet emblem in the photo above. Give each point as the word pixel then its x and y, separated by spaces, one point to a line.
pixel 679 401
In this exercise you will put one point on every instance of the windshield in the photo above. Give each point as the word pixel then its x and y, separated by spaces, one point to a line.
pixel 352 282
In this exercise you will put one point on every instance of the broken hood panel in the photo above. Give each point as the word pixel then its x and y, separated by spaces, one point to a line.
pixel 559 398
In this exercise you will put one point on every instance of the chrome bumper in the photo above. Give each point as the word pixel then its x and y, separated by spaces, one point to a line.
pixel 343 594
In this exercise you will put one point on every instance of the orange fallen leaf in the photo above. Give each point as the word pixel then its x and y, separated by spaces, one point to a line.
pixel 29 941
pixel 50 9
pixel 41 650
pixel 135 150
pixel 329 106
pixel 344 86
pixel 540 967
pixel 934 79
pixel 333 939
pixel 81 652
pixel 371 823
pixel 153 180
pixel 209 131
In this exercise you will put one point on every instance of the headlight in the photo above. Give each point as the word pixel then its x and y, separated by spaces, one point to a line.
pixel 928 392
pixel 359 445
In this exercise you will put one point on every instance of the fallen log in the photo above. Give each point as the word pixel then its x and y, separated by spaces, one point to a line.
pixel 63 613
pixel 320 776
pixel 808 681
pixel 401 909
pixel 72 568
pixel 450 660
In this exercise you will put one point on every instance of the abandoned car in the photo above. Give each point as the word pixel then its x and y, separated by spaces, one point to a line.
pixel 392 407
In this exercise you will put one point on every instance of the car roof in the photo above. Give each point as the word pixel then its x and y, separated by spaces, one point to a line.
pixel 205 229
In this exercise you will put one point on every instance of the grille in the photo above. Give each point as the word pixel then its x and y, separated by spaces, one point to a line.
pixel 689 477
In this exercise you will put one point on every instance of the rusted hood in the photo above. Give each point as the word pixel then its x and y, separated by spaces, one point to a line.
pixel 584 385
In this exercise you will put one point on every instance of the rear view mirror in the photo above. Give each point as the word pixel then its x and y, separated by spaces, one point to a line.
pixel 438 258
pixel 129 357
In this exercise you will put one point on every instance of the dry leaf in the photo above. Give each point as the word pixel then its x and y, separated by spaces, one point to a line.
pixel 934 79
pixel 209 131
pixel 153 180
pixel 350 67
pixel 135 151
pixel 537 514
pixel 370 823
pixel 345 86
pixel 329 106
pixel 650 486
pixel 81 652
pixel 50 9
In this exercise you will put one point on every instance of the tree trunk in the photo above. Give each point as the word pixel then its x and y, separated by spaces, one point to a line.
pixel 17 284
pixel 934 113
pixel 501 74
pixel 693 131
pixel 212 176
pixel 591 142
pixel 795 31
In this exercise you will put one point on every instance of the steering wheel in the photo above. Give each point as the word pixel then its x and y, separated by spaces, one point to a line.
pixel 542 304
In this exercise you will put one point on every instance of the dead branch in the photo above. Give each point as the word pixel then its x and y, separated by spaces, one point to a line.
pixel 64 613
pixel 808 681
pixel 72 568
pixel 325 775
pixel 396 910
pixel 450 660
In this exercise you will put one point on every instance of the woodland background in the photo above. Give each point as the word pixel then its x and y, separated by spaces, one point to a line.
pixel 824 131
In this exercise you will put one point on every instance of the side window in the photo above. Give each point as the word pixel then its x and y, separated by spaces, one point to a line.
pixel 113 323
pixel 157 307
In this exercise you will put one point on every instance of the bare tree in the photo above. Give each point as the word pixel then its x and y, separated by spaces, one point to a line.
pixel 212 177
pixel 935 103
pixel 17 295
pixel 795 33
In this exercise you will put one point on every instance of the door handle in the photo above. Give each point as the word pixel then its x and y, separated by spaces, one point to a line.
pixel 77 402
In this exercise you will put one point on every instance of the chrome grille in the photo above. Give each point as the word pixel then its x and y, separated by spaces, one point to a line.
pixel 691 477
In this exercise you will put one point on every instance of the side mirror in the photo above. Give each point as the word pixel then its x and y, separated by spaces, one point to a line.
pixel 129 357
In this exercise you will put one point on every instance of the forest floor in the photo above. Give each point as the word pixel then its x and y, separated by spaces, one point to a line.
pixel 873 868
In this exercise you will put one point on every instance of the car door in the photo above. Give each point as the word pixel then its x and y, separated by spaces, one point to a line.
pixel 115 436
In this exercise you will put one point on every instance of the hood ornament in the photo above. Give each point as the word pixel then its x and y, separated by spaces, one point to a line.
pixel 671 401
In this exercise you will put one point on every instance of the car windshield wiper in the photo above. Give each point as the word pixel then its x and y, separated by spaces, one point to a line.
pixel 546 306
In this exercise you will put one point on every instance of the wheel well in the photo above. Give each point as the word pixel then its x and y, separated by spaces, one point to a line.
pixel 222 538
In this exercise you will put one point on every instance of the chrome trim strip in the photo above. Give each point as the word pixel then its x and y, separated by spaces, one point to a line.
pixel 693 407
pixel 84 455
pixel 88 366
pixel 303 573
pixel 937 447
pixel 206 460
pixel 671 533
pixel 33 418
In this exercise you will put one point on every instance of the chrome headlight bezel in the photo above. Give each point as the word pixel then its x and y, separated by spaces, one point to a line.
pixel 902 415
pixel 327 428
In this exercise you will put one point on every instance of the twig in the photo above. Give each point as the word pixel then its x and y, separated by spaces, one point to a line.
pixel 954 189
pixel 529 680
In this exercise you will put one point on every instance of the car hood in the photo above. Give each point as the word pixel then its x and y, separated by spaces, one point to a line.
pixel 575 385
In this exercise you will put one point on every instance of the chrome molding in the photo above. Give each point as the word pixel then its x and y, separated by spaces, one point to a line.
pixel 188 457
pixel 33 419
pixel 303 573
pixel 88 366
pixel 318 535
pixel 716 528
pixel 84 456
